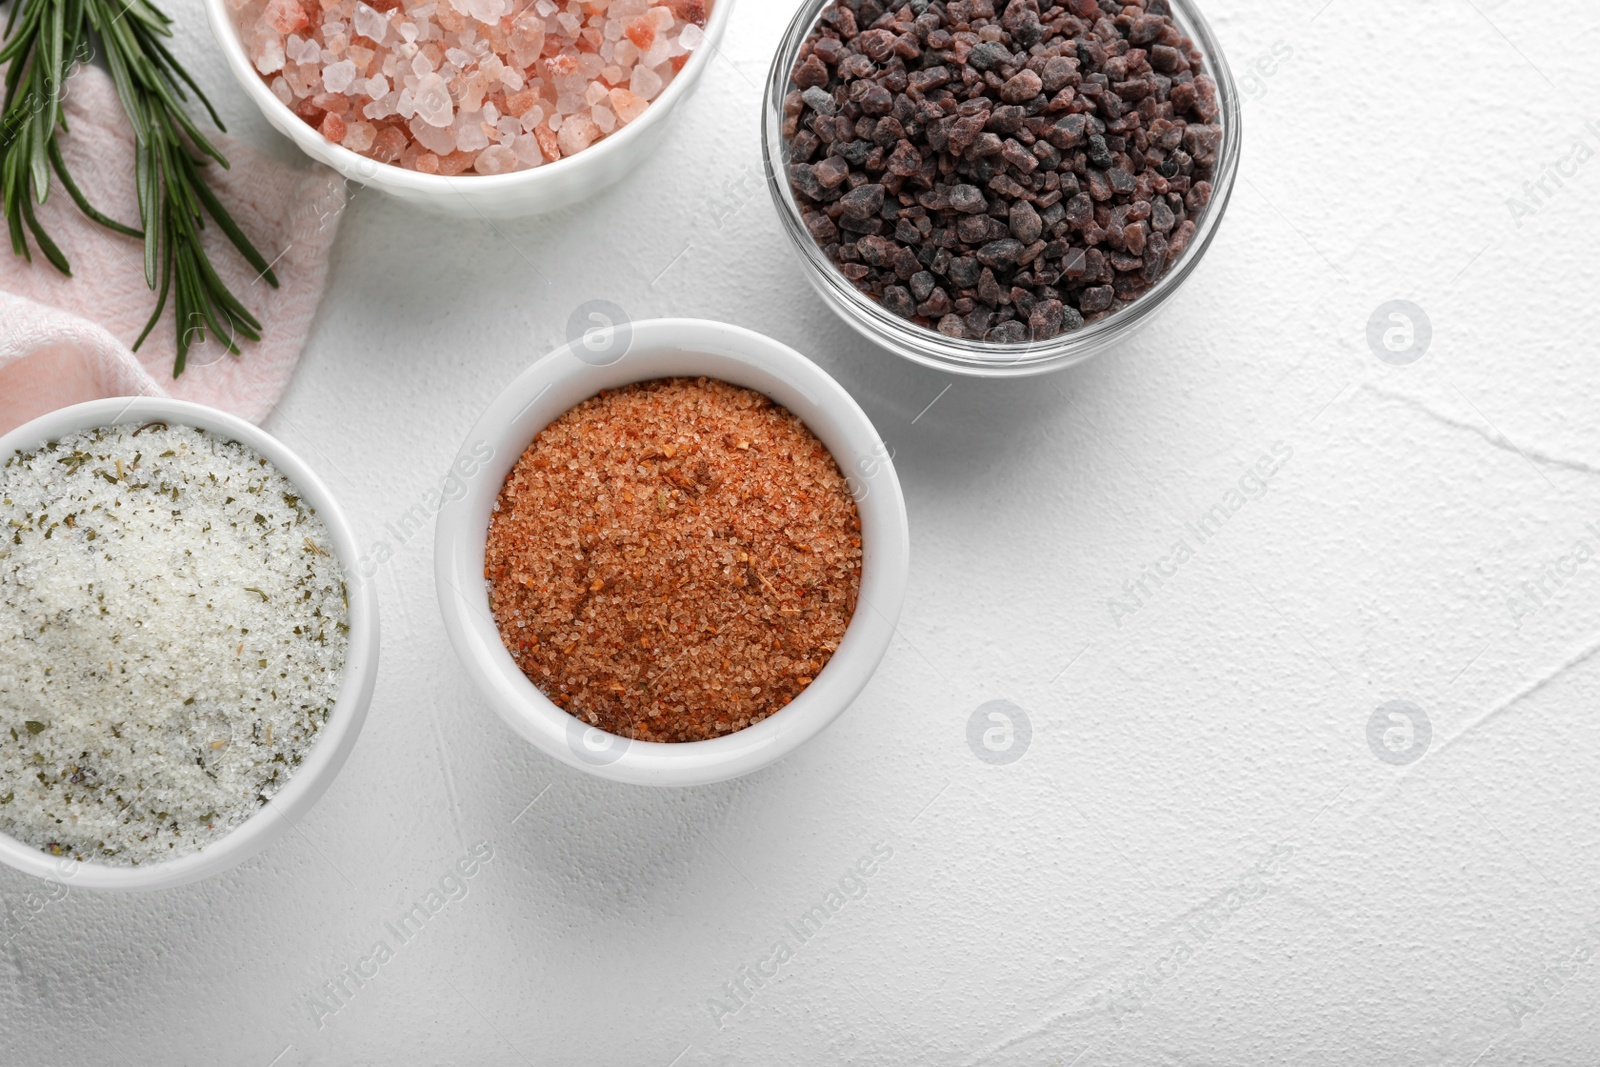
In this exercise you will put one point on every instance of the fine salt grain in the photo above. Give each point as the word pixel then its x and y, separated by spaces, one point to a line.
pixel 173 628
pixel 674 560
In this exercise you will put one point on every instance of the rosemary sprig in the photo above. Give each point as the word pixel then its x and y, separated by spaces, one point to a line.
pixel 44 40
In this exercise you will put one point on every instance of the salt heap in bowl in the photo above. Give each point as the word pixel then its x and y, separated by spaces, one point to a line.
pixel 457 86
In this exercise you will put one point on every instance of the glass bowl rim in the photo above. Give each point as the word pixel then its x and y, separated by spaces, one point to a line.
pixel 964 355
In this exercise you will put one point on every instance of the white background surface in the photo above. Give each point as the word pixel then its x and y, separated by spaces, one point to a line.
pixel 1171 755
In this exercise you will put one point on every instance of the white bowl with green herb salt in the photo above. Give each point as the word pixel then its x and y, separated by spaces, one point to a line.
pixel 186 650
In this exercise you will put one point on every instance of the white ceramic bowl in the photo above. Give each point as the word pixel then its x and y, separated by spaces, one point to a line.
pixel 525 192
pixel 337 736
pixel 643 351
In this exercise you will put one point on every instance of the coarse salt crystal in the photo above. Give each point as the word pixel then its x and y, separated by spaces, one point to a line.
pixel 434 138
pixel 382 107
pixel 526 146
pixel 692 37
pixel 303 79
pixel 358 136
pixel 469 134
pixel 627 105
pixel 496 159
pixel 645 83
pixel 577 133
pixel 488 11
pixel 337 77
pixel 370 23
pixel 433 101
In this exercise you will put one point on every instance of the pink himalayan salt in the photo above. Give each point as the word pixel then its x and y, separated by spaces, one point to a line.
pixel 333 127
pixel 269 58
pixel 528 151
pixel 496 159
pixel 358 136
pixel 577 133
pixel 336 77
pixel 472 135
pixel 286 16
pixel 387 145
pixel 646 83
pixel 435 84
pixel 432 96
pixel 334 102
pixel 627 106
pixel 455 163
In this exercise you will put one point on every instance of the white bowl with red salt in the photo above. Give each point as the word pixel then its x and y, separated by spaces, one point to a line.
pixel 644 351
pixel 495 108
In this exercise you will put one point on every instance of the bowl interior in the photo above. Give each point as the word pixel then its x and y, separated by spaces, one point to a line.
pixel 386 175
pixel 337 735
pixel 661 349
pixel 983 358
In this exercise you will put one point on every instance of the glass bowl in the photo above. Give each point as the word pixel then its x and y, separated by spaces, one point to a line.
pixel 985 358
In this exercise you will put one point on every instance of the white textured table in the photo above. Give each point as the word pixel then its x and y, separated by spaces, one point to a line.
pixel 1199 858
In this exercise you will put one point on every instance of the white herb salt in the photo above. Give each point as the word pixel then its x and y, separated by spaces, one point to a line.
pixel 173 627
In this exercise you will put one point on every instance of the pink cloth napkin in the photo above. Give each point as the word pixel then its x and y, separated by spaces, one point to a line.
pixel 66 340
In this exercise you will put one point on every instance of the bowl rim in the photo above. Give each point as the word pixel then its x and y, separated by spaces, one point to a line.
pixel 742 357
pixel 981 358
pixel 337 736
pixel 311 141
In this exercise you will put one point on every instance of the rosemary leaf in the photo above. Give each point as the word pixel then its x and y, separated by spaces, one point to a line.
pixel 60 167
pixel 47 246
pixel 43 42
